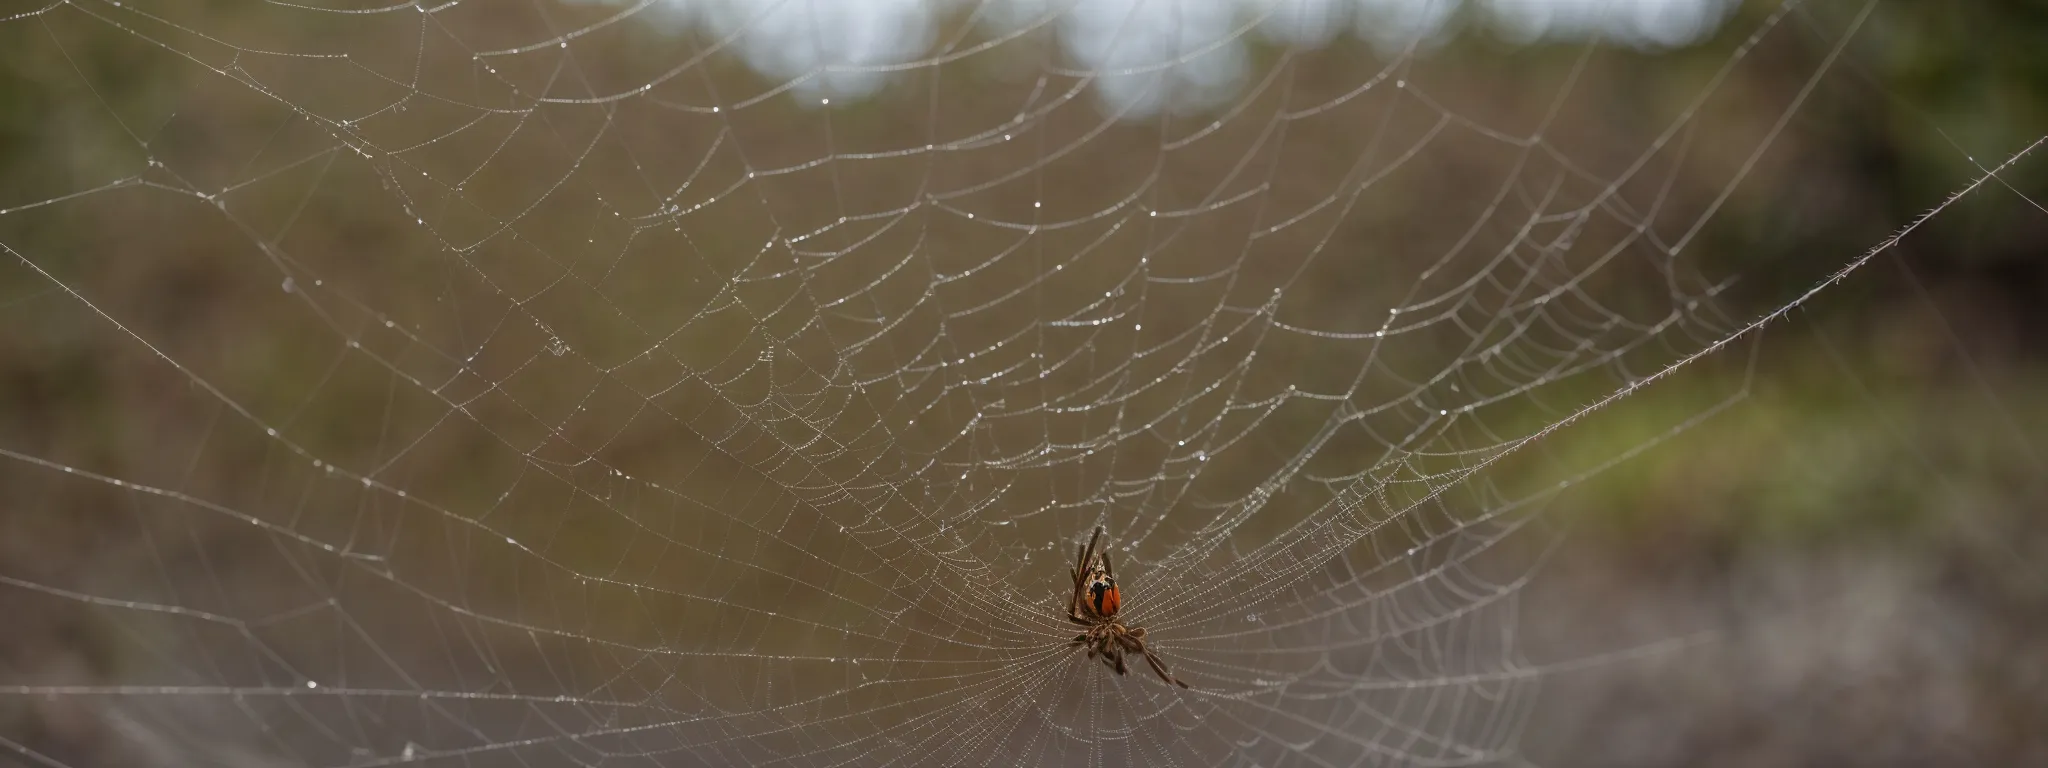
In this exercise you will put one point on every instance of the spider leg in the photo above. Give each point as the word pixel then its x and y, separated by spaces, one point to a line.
pixel 1080 561
pixel 1160 667
pixel 1106 567
pixel 1087 554
pixel 1074 603
pixel 1130 641
pixel 1080 576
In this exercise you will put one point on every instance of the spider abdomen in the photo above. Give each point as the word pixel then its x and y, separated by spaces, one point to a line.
pixel 1103 597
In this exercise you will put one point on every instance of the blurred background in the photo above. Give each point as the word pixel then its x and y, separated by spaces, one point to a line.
pixel 725 382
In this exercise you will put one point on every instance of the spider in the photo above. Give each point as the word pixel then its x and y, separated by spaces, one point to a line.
pixel 1094 606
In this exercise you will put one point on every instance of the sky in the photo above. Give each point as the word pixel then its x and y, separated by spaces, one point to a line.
pixel 1149 54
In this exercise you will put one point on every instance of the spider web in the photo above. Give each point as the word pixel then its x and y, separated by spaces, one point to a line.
pixel 674 384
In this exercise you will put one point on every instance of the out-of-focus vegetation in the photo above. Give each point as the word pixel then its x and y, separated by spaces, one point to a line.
pixel 1853 538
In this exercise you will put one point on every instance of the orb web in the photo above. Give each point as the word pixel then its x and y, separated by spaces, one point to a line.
pixel 730 383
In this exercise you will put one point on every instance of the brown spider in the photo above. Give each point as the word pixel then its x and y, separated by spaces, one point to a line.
pixel 1094 606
